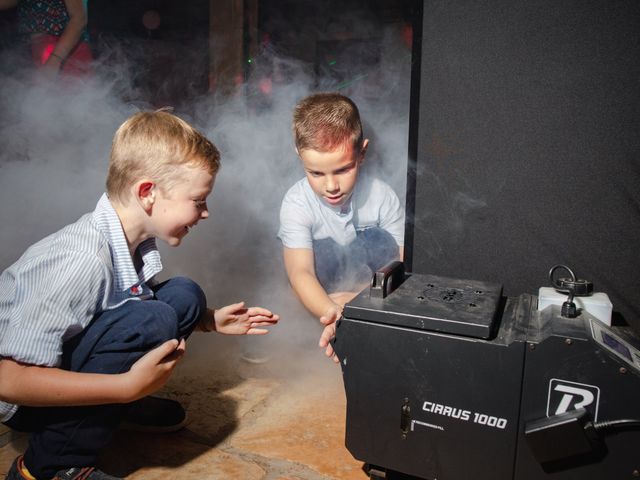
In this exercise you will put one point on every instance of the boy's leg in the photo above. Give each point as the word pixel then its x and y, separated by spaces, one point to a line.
pixel 155 414
pixel 372 249
pixel 347 269
pixel 376 247
pixel 72 436
pixel 330 263
pixel 186 298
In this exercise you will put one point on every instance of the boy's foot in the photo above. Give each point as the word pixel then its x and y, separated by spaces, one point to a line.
pixel 154 414
pixel 85 473
pixel 17 472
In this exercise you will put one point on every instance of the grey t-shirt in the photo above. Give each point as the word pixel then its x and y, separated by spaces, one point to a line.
pixel 305 217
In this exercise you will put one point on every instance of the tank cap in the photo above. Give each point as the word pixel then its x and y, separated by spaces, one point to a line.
pixel 577 286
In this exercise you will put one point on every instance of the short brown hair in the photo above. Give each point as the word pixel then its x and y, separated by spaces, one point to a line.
pixel 324 121
pixel 152 144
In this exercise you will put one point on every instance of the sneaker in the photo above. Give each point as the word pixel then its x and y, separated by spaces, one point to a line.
pixel 84 473
pixel 76 473
pixel 15 472
pixel 156 415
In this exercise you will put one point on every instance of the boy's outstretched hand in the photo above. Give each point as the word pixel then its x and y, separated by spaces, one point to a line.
pixel 329 319
pixel 331 314
pixel 327 334
pixel 236 319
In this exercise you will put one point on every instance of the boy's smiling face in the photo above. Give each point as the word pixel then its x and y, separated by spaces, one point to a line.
pixel 179 209
pixel 333 175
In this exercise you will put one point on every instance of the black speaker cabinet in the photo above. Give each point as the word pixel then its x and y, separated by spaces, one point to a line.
pixel 525 144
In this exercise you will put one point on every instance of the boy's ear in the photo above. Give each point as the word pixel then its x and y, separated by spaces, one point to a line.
pixel 363 150
pixel 145 193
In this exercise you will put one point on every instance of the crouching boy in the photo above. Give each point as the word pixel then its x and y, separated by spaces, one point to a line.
pixel 84 327
pixel 336 225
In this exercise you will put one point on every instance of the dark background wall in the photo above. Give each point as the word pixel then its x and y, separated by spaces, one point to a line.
pixel 526 135
pixel 165 45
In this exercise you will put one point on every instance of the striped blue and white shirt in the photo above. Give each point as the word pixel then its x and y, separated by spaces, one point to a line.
pixel 63 281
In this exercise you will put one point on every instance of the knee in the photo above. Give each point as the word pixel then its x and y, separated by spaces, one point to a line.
pixel 182 291
pixel 191 291
pixel 329 262
pixel 187 300
pixel 380 247
pixel 159 322
pixel 376 236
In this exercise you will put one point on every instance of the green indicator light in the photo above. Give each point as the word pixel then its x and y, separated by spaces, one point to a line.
pixel 332 62
pixel 350 82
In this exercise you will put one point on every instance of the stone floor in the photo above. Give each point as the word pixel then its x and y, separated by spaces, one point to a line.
pixel 281 420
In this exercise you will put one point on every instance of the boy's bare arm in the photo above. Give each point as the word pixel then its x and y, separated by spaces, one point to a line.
pixel 31 385
pixel 299 263
pixel 72 30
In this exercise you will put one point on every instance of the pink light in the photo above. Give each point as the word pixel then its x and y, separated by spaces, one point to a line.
pixel 266 85
pixel 46 52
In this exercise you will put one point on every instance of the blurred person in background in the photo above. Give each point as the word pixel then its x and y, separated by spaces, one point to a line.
pixel 56 33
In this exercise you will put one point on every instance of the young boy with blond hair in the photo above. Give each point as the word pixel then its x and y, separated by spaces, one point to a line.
pixel 336 225
pixel 85 328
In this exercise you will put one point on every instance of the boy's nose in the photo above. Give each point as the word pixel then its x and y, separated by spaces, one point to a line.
pixel 204 214
pixel 331 185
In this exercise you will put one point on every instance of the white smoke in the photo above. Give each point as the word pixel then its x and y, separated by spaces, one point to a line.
pixel 56 138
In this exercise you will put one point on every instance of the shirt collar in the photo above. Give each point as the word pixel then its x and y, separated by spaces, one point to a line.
pixel 124 272
pixel 345 208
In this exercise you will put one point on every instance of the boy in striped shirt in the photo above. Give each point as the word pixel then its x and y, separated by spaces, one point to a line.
pixel 85 328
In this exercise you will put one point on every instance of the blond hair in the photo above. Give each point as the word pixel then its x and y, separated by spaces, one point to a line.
pixel 325 121
pixel 151 145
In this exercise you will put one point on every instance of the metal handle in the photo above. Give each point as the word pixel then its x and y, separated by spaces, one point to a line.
pixel 387 279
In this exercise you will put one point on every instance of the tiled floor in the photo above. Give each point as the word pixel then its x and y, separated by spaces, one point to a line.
pixel 282 420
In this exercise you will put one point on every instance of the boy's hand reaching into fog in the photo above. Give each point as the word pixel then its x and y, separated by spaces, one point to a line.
pixel 327 334
pixel 331 314
pixel 330 317
pixel 236 319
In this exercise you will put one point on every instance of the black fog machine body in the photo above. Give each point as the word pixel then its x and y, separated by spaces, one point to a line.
pixel 447 379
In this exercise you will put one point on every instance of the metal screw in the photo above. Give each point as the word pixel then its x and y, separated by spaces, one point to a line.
pixel 568 341
pixel 636 473
pixel 532 346
pixel 623 370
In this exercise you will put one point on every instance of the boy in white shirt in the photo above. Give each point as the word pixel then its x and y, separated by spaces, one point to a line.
pixel 336 226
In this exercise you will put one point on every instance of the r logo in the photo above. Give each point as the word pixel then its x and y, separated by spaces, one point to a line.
pixel 565 395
